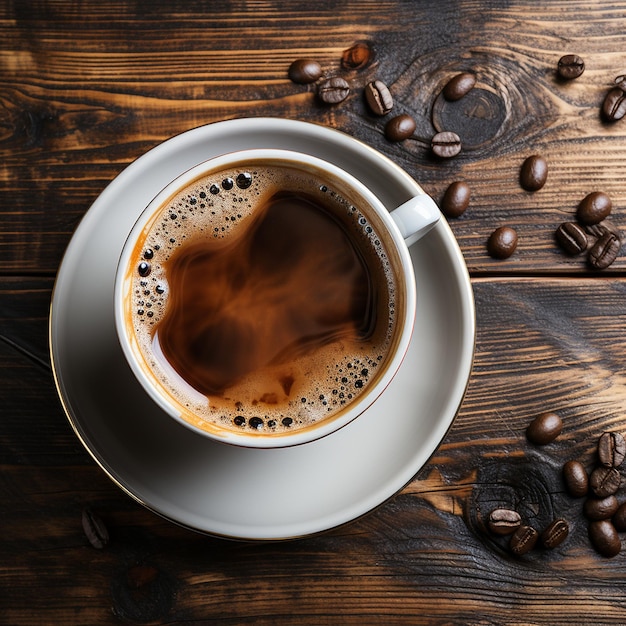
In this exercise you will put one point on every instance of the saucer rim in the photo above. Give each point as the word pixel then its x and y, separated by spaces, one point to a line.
pixel 465 295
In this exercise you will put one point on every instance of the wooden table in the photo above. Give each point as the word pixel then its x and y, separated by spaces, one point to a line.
pixel 87 87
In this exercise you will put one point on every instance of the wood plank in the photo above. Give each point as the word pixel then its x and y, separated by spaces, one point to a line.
pixel 422 557
pixel 87 88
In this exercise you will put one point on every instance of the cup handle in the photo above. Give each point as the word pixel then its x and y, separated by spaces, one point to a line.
pixel 416 217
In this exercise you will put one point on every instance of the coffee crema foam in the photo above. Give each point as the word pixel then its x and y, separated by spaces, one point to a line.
pixel 233 308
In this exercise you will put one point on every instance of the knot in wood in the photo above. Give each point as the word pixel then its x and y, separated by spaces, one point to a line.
pixel 477 118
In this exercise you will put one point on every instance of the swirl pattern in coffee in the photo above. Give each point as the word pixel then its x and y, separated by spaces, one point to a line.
pixel 262 300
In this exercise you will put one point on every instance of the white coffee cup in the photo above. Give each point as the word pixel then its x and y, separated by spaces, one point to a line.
pixel 397 230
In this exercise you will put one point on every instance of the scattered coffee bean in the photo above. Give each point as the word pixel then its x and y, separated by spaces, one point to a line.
pixel 458 86
pixel 445 145
pixel 523 540
pixel 605 481
pixel 95 530
pixel 614 105
pixel 611 449
pixel 305 71
pixel 456 199
pixel 544 429
pixel 576 479
pixel 571 237
pixel 357 56
pixel 619 519
pixel 604 251
pixel 555 534
pixel 502 242
pixel 533 173
pixel 604 538
pixel 378 98
pixel 504 521
pixel 603 508
pixel 333 90
pixel 570 66
pixel 400 127
pixel 594 207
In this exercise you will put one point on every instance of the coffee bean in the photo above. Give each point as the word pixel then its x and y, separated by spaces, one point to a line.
pixel 570 66
pixel 534 173
pixel 504 521
pixel 604 538
pixel 576 479
pixel 611 449
pixel 619 519
pixel 95 530
pixel 523 540
pixel 458 86
pixel 605 481
pixel 445 145
pixel 603 508
pixel 400 127
pixel 555 534
pixel 571 237
pixel 305 71
pixel 358 56
pixel 614 105
pixel 378 98
pixel 456 199
pixel 333 90
pixel 604 251
pixel 544 429
pixel 594 207
pixel 502 242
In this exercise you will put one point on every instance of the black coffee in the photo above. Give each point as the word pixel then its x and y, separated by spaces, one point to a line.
pixel 263 300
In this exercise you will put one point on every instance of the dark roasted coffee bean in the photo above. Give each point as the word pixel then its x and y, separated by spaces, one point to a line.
pixel 604 538
pixel 570 66
pixel 611 449
pixel 603 508
pixel 594 207
pixel 605 481
pixel 619 519
pixel 523 540
pixel 456 199
pixel 378 98
pixel 400 127
pixel 333 90
pixel 604 251
pixel 445 145
pixel 458 86
pixel 502 242
pixel 358 56
pixel 544 429
pixel 95 530
pixel 576 479
pixel 504 521
pixel 614 105
pixel 555 534
pixel 571 237
pixel 534 173
pixel 305 71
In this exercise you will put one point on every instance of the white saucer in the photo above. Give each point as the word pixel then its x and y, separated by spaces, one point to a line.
pixel 246 493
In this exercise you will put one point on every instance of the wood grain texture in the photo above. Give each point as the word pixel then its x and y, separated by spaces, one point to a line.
pixel 421 558
pixel 87 87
